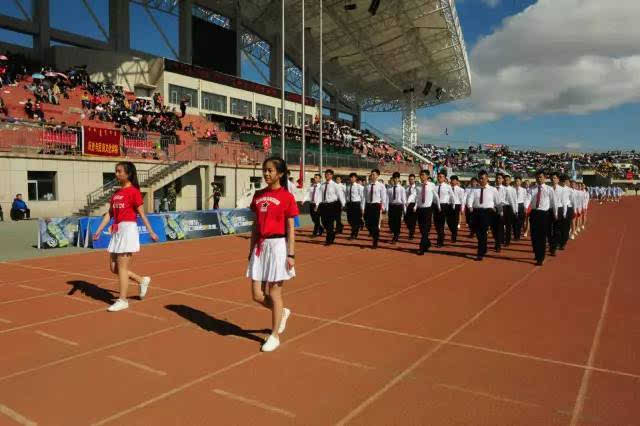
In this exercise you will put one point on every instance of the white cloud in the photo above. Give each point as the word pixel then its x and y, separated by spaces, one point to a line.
pixel 556 56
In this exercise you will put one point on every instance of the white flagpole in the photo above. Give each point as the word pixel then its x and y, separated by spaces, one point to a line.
pixel 321 85
pixel 303 98
pixel 282 130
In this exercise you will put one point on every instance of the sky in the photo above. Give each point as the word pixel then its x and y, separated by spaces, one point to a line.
pixel 550 74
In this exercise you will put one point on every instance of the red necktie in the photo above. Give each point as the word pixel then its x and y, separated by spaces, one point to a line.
pixel 538 196
pixel 481 194
pixel 371 194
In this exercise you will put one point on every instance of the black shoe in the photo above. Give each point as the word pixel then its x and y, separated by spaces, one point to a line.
pixel 375 245
pixel 479 258
pixel 561 247
pixel 539 262
pixel 553 253
pixel 421 252
pixel 351 238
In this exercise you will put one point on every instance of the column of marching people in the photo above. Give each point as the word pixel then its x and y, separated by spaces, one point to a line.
pixel 552 210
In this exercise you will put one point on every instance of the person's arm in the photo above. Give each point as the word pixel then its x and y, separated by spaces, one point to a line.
pixel 291 240
pixel 436 198
pixel 145 220
pixel 105 220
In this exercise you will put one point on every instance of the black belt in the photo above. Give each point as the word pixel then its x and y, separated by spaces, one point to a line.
pixel 273 237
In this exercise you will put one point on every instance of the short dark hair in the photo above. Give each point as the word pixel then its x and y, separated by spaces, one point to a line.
pixel 376 171
pixel 352 174
pixel 425 172
pixel 556 174
pixel 442 172
pixel 396 175
pixel 412 175
pixel 454 177
pixel 540 172
pixel 474 179
pixel 564 178
pixel 317 174
pixel 506 175
pixel 499 175
pixel 482 173
pixel 518 177
pixel 330 171
pixel 18 195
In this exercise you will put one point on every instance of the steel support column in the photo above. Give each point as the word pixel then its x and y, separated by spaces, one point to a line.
pixel 119 25
pixel 275 62
pixel 409 122
pixel 42 39
pixel 236 24
pixel 185 31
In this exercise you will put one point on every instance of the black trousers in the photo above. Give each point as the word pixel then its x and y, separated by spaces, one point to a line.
pixel 395 218
pixel 315 217
pixel 468 216
pixel 554 233
pixel 372 220
pixel 423 216
pixel 518 222
pixel 439 220
pixel 508 219
pixel 20 214
pixel 339 226
pixel 539 224
pixel 410 219
pixel 566 227
pixel 497 229
pixel 482 219
pixel 329 213
pixel 354 217
pixel 453 220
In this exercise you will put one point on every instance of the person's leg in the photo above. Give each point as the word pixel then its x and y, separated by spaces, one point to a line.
pixel 27 213
pixel 438 219
pixel 495 222
pixel 455 221
pixel 375 224
pixel 338 215
pixel 421 216
pixel 277 306
pixel 481 225
pixel 351 218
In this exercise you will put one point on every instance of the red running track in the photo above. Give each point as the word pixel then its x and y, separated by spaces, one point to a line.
pixel 376 337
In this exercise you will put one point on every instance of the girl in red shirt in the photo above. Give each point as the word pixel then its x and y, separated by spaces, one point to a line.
pixel 271 253
pixel 126 203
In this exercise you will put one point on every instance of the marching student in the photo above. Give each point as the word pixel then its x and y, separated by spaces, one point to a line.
pixel 396 205
pixel 272 247
pixel 373 203
pixel 521 202
pixel 354 198
pixel 426 197
pixel 577 209
pixel 459 201
pixel 125 206
pixel 410 217
pixel 497 226
pixel 585 206
pixel 527 208
pixel 556 215
pixel 331 203
pixel 343 188
pixel 446 197
pixel 483 204
pixel 510 209
pixel 542 201
pixel 473 185
pixel 313 198
pixel 567 203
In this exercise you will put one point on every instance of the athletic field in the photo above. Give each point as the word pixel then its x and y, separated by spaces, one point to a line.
pixel 376 337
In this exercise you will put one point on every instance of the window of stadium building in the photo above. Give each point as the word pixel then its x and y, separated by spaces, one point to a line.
pixel 41 186
pixel 265 111
pixel 256 181
pixel 213 102
pixel 289 116
pixel 307 118
pixel 241 107
pixel 177 93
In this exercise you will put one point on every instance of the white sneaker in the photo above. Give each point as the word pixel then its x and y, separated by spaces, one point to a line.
pixel 573 237
pixel 119 305
pixel 271 344
pixel 144 286
pixel 283 322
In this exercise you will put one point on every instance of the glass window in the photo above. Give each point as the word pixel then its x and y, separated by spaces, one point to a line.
pixel 241 107
pixel 307 118
pixel 41 186
pixel 256 181
pixel 265 111
pixel 177 93
pixel 289 116
pixel 213 102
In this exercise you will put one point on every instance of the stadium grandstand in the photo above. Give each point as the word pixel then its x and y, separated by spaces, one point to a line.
pixel 72 105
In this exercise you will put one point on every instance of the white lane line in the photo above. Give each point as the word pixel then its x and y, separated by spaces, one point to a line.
pixel 28 287
pixel 360 408
pixel 56 338
pixel 487 395
pixel 338 360
pixel 586 376
pixel 5 321
pixel 16 417
pixel 255 403
pixel 138 365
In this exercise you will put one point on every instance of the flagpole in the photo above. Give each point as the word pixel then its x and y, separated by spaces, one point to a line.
pixel 321 91
pixel 282 129
pixel 303 98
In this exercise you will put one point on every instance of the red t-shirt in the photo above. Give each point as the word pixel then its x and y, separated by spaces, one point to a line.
pixel 272 209
pixel 124 204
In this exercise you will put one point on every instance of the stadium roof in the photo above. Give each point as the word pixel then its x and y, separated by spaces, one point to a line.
pixel 371 60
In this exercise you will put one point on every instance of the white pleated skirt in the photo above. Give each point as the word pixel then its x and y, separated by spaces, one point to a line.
pixel 126 239
pixel 271 264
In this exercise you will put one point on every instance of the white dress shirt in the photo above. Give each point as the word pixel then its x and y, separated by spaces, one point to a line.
pixel 558 199
pixel 399 198
pixel 330 192
pixel 484 197
pixel 375 193
pixel 354 193
pixel 412 193
pixel 521 195
pixel 445 193
pixel 511 198
pixel 459 196
pixel 313 195
pixel 426 196
pixel 547 198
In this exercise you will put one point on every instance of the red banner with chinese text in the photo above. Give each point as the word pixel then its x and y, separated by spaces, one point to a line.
pixel 101 141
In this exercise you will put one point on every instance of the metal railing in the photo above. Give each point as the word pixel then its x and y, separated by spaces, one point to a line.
pixel 39 138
